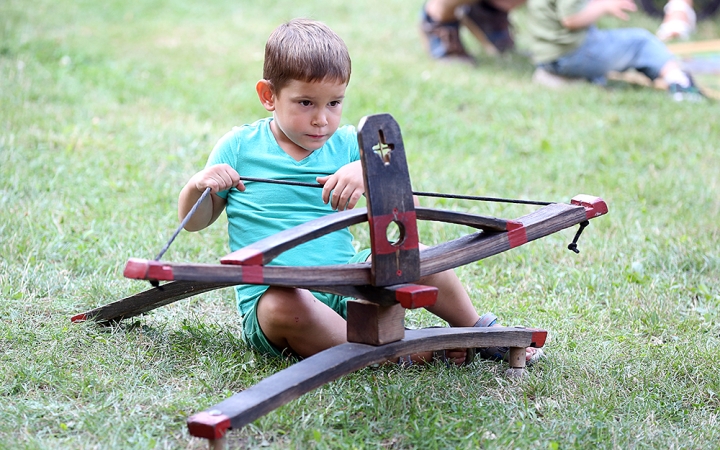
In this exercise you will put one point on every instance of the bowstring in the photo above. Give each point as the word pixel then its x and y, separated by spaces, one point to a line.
pixel 183 223
pixel 419 194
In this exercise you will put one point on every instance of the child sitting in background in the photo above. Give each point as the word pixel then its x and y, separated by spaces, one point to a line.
pixel 565 42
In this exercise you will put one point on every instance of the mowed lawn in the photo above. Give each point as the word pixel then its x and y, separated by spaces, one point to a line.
pixel 107 108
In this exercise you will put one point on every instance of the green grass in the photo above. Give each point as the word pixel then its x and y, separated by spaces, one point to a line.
pixel 108 108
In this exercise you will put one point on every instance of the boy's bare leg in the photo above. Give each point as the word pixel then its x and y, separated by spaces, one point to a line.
pixel 295 319
pixel 453 304
pixel 455 307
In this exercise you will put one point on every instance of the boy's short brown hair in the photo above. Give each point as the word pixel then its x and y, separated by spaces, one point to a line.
pixel 305 50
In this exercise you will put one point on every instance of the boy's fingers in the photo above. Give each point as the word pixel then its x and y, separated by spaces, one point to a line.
pixel 354 199
pixel 342 198
pixel 328 187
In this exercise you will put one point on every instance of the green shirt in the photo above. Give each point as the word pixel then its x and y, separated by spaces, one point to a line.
pixel 265 209
pixel 549 38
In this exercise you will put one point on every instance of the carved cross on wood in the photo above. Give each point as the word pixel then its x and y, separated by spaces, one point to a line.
pixel 382 148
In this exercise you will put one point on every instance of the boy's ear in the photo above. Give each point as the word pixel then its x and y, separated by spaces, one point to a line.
pixel 266 94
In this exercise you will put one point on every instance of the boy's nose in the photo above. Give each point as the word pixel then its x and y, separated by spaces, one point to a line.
pixel 319 120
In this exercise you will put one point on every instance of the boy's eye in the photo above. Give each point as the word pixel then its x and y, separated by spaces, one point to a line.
pixel 305 102
pixel 334 103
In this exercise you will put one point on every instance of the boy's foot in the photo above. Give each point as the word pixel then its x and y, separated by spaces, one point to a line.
pixel 532 354
pixel 442 39
pixel 463 357
pixel 689 93
pixel 489 25
pixel 679 21
pixel 457 357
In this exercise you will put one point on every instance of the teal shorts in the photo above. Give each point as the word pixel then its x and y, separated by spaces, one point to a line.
pixel 254 336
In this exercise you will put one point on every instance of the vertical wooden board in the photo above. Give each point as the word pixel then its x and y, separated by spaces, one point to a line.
pixel 391 211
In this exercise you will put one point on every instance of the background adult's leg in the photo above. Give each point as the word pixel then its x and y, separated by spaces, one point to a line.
pixel 440 29
pixel 489 22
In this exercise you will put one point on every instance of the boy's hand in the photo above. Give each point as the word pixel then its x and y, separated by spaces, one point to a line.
pixel 594 10
pixel 218 178
pixel 344 188
pixel 618 8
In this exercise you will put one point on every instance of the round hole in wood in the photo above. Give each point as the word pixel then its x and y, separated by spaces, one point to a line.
pixel 395 233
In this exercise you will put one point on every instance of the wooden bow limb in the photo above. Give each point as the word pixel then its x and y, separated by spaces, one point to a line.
pixel 265 250
pixel 331 364
pixel 148 300
pixel 348 279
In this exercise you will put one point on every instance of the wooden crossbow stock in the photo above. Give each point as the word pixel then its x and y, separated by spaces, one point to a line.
pixel 384 287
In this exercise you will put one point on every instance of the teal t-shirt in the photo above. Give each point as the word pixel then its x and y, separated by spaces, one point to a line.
pixel 265 209
pixel 549 39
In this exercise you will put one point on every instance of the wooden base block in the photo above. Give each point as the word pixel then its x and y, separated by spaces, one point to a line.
pixel 370 323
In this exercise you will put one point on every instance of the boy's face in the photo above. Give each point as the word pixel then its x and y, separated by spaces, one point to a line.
pixel 306 114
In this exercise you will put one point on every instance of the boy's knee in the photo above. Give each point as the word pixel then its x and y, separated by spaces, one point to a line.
pixel 282 306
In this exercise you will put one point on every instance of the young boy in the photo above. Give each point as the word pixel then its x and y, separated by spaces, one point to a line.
pixel 305 74
pixel 565 42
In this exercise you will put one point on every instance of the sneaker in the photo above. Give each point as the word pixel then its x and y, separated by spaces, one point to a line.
pixel 679 21
pixel 689 93
pixel 442 39
pixel 489 25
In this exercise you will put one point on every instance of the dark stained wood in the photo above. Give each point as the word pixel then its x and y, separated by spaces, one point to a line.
pixel 286 276
pixel 390 201
pixel 147 300
pixel 351 280
pixel 265 250
pixel 372 324
pixel 324 367
pixel 474 247
pixel 460 218
pixel 410 296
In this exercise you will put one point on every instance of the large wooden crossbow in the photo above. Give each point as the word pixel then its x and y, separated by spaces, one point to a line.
pixel 384 287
